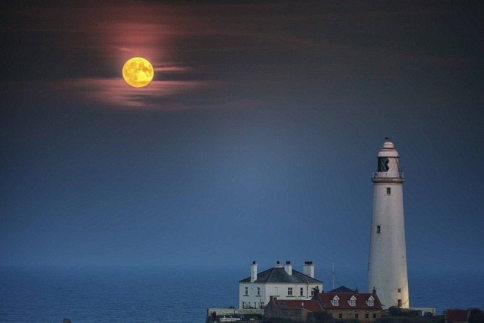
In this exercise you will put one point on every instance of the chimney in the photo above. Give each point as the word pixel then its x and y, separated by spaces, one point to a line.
pixel 374 290
pixel 316 291
pixel 288 268
pixel 253 272
pixel 308 269
pixel 356 290
pixel 278 264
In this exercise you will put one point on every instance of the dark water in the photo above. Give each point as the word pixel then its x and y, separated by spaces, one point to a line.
pixel 183 295
pixel 446 290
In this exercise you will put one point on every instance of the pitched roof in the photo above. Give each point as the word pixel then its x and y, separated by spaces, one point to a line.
pixel 342 289
pixel 279 275
pixel 310 305
pixel 344 300
pixel 457 315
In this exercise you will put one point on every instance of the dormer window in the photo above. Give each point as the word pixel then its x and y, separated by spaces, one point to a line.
pixel 335 301
pixel 352 301
pixel 370 301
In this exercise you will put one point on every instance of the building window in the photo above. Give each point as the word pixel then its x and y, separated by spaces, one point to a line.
pixel 399 290
pixel 370 301
pixel 301 291
pixel 367 315
pixel 340 315
pixel 389 190
pixel 289 291
pixel 378 229
pixel 335 301
pixel 353 301
pixel 356 315
pixel 312 292
pixel 374 315
pixel 247 291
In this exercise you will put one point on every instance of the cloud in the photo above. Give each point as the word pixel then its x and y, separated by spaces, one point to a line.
pixel 171 69
pixel 115 93
pixel 197 47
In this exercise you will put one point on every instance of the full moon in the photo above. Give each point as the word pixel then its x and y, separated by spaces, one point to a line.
pixel 138 72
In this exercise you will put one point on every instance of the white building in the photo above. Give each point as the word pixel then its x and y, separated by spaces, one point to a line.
pixel 280 281
pixel 387 267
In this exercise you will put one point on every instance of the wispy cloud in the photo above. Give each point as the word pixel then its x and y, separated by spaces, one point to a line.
pixel 195 47
pixel 115 93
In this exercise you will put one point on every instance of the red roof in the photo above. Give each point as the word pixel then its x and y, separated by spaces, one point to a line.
pixel 362 300
pixel 457 315
pixel 310 305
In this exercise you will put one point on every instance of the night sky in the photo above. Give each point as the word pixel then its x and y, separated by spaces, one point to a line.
pixel 255 141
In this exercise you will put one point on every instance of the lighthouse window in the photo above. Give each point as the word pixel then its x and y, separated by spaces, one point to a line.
pixel 389 190
pixel 301 291
pixel 377 229
pixel 383 164
pixel 289 291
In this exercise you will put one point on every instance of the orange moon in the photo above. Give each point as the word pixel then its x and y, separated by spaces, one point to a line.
pixel 138 72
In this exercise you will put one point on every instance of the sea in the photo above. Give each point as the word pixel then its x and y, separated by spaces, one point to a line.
pixel 129 295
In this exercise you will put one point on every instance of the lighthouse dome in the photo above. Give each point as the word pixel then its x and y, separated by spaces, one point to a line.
pixel 388 150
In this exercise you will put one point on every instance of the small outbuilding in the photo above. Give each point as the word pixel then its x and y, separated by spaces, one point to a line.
pixel 344 303
pixel 457 316
pixel 296 310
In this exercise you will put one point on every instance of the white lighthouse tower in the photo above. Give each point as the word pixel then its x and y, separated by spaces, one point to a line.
pixel 387 266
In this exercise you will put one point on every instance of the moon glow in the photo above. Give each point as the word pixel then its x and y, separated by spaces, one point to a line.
pixel 138 72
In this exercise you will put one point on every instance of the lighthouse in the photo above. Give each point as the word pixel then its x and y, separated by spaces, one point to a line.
pixel 387 265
